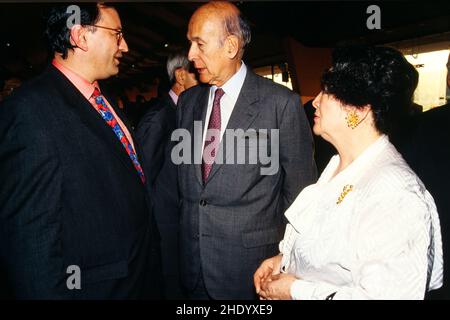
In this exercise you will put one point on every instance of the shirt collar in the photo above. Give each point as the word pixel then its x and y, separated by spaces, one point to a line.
pixel 85 87
pixel 233 86
pixel 174 96
pixel 313 194
pixel 358 166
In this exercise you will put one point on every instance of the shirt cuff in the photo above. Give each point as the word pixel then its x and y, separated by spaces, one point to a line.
pixel 302 290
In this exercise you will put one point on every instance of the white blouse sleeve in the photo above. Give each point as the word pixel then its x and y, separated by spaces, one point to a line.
pixel 392 236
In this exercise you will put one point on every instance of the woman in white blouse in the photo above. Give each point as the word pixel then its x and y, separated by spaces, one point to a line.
pixel 368 229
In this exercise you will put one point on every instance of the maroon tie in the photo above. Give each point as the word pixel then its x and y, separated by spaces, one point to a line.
pixel 214 123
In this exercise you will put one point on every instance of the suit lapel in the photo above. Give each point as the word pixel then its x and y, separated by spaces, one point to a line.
pixel 244 113
pixel 246 109
pixel 78 104
pixel 197 142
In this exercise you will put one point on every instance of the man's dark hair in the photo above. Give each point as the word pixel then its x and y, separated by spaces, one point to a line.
pixel 377 76
pixel 57 31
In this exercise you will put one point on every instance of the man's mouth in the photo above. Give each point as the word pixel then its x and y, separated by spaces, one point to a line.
pixel 117 59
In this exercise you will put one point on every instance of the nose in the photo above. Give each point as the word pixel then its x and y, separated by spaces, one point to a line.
pixel 123 45
pixel 316 100
pixel 192 54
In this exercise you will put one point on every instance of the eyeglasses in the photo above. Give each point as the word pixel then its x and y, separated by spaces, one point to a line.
pixel 119 32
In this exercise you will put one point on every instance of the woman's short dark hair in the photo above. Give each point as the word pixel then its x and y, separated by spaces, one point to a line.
pixel 377 76
pixel 57 30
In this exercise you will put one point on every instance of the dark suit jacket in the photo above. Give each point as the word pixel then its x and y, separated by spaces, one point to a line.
pixel 233 222
pixel 154 134
pixel 70 196
pixel 428 154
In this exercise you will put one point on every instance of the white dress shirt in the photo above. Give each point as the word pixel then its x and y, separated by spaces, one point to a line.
pixel 382 241
pixel 232 88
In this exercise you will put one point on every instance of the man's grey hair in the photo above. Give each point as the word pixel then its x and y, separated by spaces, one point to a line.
pixel 238 26
pixel 175 61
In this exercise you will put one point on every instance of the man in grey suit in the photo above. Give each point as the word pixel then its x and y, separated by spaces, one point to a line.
pixel 232 211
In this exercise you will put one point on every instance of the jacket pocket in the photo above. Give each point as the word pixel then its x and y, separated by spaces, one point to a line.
pixel 115 270
pixel 261 237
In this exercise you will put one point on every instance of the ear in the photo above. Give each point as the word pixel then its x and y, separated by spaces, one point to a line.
pixel 361 113
pixel 78 37
pixel 364 111
pixel 231 46
pixel 180 76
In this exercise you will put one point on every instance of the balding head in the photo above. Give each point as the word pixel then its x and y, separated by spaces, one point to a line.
pixel 218 35
pixel 231 20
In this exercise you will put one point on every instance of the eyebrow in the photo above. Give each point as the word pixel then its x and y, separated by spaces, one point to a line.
pixel 197 39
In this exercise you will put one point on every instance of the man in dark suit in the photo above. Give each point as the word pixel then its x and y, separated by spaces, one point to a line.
pixel 154 134
pixel 75 219
pixel 232 210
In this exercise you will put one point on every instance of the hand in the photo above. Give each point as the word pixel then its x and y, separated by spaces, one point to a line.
pixel 277 287
pixel 267 268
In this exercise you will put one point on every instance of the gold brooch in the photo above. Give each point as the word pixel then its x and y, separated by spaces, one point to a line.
pixel 347 188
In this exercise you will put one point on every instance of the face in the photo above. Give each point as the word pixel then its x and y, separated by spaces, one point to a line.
pixel 206 52
pixel 190 79
pixel 105 51
pixel 329 118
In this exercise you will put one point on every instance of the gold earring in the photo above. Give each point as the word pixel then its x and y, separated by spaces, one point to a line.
pixel 352 119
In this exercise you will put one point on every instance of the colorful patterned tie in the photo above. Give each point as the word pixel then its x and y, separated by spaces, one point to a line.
pixel 214 123
pixel 107 115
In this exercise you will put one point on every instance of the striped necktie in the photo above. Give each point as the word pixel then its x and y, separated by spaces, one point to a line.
pixel 214 124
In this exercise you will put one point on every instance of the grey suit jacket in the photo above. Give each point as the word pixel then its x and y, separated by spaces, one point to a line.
pixel 230 224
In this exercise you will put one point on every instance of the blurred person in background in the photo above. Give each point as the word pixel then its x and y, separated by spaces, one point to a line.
pixel 154 133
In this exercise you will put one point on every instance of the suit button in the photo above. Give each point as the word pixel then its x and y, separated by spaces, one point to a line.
pixel 203 203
